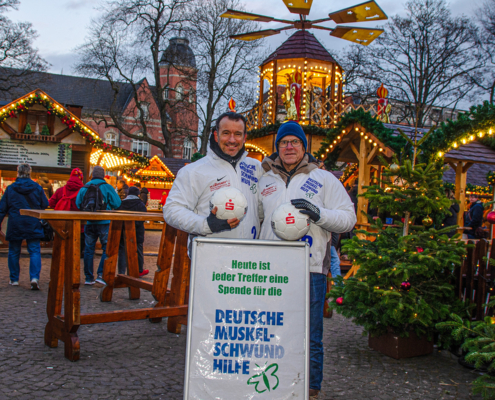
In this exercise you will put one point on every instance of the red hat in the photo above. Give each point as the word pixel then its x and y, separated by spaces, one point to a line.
pixel 77 172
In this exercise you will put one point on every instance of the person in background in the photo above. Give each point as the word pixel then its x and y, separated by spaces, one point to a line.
pixel 95 230
pixel 451 220
pixel 24 193
pixel 474 218
pixel 294 176
pixel 45 184
pixel 121 190
pixel 65 197
pixel 133 203
pixel 144 194
pixel 164 198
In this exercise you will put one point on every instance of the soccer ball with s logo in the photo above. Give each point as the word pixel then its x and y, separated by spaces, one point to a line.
pixel 288 223
pixel 231 203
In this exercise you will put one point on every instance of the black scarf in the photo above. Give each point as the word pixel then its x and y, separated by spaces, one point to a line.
pixel 218 151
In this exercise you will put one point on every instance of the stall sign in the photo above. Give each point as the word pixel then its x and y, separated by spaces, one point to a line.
pixel 34 153
pixel 248 324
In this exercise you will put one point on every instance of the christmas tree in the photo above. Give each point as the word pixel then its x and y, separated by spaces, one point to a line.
pixel 28 130
pixel 405 277
pixel 45 131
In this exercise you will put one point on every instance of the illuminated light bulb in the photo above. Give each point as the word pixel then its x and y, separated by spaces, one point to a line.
pixel 374 144
pixel 380 149
pixel 362 133
pixel 455 145
pixel 440 154
pixel 463 141
pixel 471 137
pixel 366 137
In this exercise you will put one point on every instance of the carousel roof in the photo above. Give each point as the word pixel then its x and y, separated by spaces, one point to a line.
pixel 301 44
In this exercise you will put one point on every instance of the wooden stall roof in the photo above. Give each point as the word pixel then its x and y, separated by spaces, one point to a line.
pixel 476 175
pixel 349 143
pixel 472 152
pixel 301 44
pixel 174 164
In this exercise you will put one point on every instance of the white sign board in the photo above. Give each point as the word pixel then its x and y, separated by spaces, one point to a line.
pixel 34 153
pixel 248 321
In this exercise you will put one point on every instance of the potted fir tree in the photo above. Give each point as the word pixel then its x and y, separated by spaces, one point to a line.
pixel 404 285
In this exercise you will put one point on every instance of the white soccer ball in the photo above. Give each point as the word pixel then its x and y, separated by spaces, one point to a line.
pixel 288 223
pixel 231 203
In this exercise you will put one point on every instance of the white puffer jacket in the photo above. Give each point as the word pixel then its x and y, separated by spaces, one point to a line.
pixel 318 187
pixel 188 206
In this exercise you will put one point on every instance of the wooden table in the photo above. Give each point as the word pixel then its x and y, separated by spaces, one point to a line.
pixel 65 275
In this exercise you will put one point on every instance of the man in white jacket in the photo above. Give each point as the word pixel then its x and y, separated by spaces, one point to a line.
pixel 225 164
pixel 293 175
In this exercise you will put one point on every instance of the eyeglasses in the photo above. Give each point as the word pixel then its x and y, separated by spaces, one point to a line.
pixel 284 143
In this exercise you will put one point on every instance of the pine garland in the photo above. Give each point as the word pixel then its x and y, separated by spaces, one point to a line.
pixel 368 122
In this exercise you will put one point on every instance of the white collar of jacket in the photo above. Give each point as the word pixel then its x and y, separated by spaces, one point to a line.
pixel 214 156
pixel 132 197
pixel 274 163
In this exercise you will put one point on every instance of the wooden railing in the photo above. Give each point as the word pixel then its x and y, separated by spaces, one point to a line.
pixel 474 279
pixel 321 112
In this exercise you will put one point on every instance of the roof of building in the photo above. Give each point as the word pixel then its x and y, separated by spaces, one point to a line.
pixel 179 53
pixel 301 44
pixel 174 164
pixel 91 94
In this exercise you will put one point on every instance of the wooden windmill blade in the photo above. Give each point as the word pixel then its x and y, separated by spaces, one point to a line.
pixel 258 34
pixel 358 35
pixel 299 6
pixel 251 17
pixel 364 12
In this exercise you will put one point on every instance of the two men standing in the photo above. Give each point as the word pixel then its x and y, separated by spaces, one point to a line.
pixel 294 176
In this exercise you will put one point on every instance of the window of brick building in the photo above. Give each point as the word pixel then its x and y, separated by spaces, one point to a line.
pixel 141 147
pixel 111 138
pixel 145 107
pixel 187 151
pixel 179 92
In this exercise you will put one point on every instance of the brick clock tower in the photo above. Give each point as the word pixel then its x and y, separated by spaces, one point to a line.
pixel 178 74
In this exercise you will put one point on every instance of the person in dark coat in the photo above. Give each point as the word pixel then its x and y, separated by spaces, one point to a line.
pixel 474 218
pixel 21 227
pixel 133 203
pixel 144 195
pixel 451 220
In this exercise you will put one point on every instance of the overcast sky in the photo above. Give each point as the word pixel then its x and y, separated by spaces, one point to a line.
pixel 62 24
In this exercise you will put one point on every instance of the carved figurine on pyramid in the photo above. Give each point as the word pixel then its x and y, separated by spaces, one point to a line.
pixel 292 96
pixel 384 107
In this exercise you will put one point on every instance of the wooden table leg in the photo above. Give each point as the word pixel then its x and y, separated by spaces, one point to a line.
pixel 132 257
pixel 115 231
pixel 56 285
pixel 180 280
pixel 164 262
pixel 72 305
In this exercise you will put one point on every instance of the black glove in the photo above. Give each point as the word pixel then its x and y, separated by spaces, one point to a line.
pixel 308 208
pixel 217 225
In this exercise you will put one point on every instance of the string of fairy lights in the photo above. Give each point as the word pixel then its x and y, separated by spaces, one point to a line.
pixel 338 139
pixel 464 140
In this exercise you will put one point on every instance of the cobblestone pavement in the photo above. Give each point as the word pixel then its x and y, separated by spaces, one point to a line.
pixel 140 360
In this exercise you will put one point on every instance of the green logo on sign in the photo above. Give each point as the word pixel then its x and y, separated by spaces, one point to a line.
pixel 310 195
pixel 266 380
